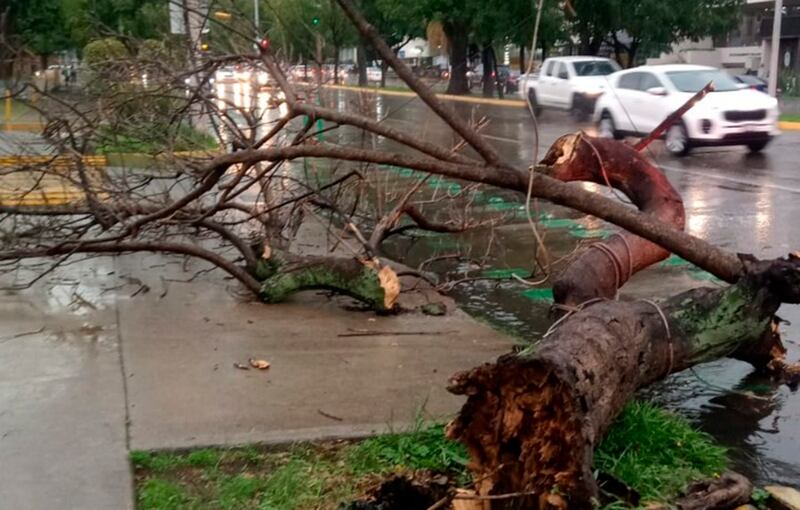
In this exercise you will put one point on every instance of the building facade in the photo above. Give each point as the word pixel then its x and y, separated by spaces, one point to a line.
pixel 748 47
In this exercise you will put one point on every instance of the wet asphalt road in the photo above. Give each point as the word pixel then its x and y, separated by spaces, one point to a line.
pixel 742 202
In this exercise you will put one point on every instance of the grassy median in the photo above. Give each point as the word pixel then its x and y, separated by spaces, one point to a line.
pixel 655 452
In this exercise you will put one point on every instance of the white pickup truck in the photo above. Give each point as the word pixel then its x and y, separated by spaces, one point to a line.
pixel 568 83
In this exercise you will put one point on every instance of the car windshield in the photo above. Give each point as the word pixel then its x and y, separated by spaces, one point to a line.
pixel 750 80
pixel 694 81
pixel 594 67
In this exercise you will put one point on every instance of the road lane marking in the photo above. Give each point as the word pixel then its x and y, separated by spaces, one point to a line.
pixel 502 139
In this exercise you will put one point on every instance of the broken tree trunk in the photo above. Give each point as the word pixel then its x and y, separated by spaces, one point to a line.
pixel 604 268
pixel 282 274
pixel 533 419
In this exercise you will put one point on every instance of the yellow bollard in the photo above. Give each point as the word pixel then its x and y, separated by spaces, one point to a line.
pixel 7 115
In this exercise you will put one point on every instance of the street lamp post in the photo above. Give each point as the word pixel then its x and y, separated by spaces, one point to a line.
pixel 775 49
pixel 256 18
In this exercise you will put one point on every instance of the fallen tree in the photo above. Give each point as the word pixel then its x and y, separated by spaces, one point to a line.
pixel 532 419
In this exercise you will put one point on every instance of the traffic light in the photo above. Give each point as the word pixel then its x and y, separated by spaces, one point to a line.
pixel 264 44
pixel 205 47
pixel 315 21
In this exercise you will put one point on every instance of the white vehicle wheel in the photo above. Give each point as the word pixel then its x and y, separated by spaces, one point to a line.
pixel 606 128
pixel 533 104
pixel 677 140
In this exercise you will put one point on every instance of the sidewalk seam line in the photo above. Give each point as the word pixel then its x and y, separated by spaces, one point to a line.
pixel 121 358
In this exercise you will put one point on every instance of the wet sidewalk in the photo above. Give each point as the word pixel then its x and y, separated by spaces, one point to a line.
pixel 114 354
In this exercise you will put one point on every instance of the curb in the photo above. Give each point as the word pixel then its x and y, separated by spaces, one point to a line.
pixel 53 161
pixel 124 158
pixel 33 127
pixel 100 160
pixel 512 103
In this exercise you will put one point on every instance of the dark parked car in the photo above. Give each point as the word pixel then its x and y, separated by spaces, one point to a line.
pixel 512 81
pixel 503 76
pixel 754 82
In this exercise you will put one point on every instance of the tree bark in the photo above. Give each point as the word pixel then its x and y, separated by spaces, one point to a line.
pixel 361 58
pixel 633 50
pixel 532 420
pixel 458 42
pixel 487 59
pixel 282 274
pixel 336 65
pixel 600 271
pixel 499 83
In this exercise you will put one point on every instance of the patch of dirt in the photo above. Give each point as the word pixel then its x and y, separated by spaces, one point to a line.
pixel 418 491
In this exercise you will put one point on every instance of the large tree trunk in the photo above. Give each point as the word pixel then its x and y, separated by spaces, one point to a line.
pixel 487 59
pixel 458 42
pixel 361 59
pixel 336 65
pixel 501 90
pixel 533 419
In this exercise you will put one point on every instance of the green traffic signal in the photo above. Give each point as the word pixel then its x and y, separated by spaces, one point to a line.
pixel 315 21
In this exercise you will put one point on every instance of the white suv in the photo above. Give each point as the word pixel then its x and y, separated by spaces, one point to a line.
pixel 568 83
pixel 639 99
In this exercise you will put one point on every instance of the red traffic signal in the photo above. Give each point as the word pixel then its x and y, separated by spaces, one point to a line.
pixel 264 44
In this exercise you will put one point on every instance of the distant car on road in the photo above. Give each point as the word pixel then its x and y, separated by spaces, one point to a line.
pixel 512 81
pixel 373 73
pixel 225 75
pixel 475 76
pixel 301 72
pixel 501 77
pixel 568 83
pixel 754 82
pixel 639 99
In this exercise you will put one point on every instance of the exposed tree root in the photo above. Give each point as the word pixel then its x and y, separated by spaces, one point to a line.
pixel 730 490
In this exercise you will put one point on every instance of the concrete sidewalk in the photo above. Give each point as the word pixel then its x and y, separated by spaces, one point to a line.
pixel 113 354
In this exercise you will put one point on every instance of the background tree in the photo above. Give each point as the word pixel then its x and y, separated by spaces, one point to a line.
pixel 592 21
pixel 458 19
pixel 128 20
pixel 649 26
pixel 632 27
pixel 336 30
pixel 38 25
pixel 394 24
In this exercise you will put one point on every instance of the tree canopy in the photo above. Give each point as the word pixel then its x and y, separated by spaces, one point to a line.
pixel 631 28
